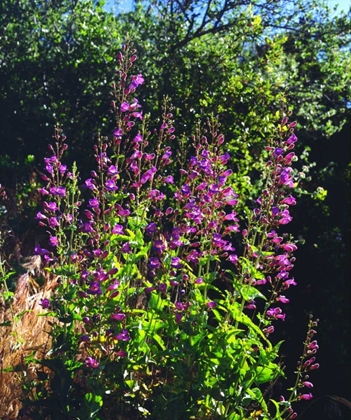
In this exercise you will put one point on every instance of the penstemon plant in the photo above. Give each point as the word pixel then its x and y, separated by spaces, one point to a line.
pixel 155 314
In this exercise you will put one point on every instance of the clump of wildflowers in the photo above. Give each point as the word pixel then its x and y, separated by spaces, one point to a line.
pixel 153 299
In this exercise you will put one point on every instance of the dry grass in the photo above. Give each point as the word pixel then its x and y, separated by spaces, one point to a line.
pixel 27 335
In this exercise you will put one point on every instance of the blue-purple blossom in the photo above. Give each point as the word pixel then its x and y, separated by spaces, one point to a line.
pixel 122 336
pixel 51 206
pixel 118 316
pixel 159 246
pixel 110 185
pixel 94 203
pixel 162 287
pixel 176 263
pixel 90 184
pixel 291 140
pixel 126 248
pixel 278 152
pixel 148 175
pixel 94 288
pixel 45 303
pixel 151 228
pixel 118 229
pixel 154 263
pixel 136 81
pixel 40 251
pixel 59 191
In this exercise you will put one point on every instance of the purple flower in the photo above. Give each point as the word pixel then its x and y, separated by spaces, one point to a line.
pixel 286 178
pixel 166 155
pixel 88 227
pixel 162 287
pixel 112 170
pixel 268 330
pixel 126 248
pixel 59 191
pixel 40 216
pixel 308 384
pixel 117 133
pixel 214 189
pixel 111 185
pixel 314 366
pixel 122 336
pixel 211 305
pixel 151 228
pixel 138 138
pixel 121 211
pixel 40 251
pixel 289 283
pixel 275 211
pixel 52 206
pixel 156 195
pixel 149 156
pixel 118 229
pixel 224 158
pixel 53 241
pixel 93 203
pixel 289 200
pixel 148 174
pixel 276 313
pixel 159 246
pixel 136 81
pixel 251 305
pixel 154 263
pixel 291 140
pixel 278 151
pixel 186 189
pixel 178 317
pixel 118 317
pixel 289 247
pixel 53 222
pixel 43 191
pixel 94 288
pixel 285 217
pixel 124 107
pixel 137 115
pixel 282 299
pixel 90 184
pixel 231 216
pixel 306 396
pixel 313 345
pixel 91 363
pixel 45 303
pixel 176 263
pixel 168 179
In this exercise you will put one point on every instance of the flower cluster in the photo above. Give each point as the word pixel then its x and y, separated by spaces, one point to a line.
pixel 305 365
pixel 271 251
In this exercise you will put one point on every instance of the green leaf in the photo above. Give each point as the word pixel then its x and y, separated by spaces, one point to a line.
pixel 155 302
pixel 250 293
pixel 268 373
pixel 257 395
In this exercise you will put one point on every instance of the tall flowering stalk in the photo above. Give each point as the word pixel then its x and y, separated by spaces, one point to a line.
pixel 157 313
